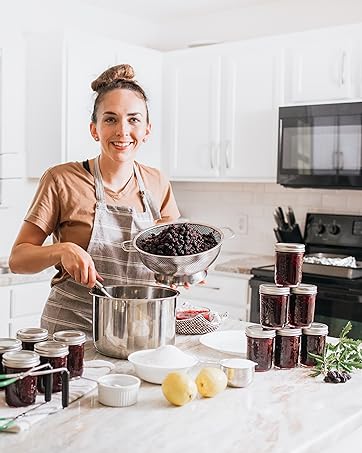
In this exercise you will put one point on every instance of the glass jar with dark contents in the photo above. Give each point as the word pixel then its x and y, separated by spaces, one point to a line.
pixel 260 346
pixel 273 306
pixel 75 340
pixel 314 341
pixel 288 264
pixel 302 305
pixel 56 354
pixel 23 391
pixel 287 346
pixel 31 335
pixel 7 345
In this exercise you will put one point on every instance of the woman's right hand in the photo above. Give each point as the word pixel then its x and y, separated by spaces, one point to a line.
pixel 79 264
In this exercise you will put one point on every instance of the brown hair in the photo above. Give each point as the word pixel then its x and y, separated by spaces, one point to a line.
pixel 120 76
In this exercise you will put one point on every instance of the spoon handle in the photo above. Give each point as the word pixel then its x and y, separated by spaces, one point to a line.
pixel 102 288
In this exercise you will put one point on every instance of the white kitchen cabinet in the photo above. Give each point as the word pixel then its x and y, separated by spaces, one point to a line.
pixel 60 69
pixel 5 311
pixel 220 112
pixel 223 292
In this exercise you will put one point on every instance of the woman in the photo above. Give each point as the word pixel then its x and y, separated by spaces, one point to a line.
pixel 90 208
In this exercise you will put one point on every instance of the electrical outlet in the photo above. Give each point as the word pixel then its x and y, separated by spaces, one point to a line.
pixel 242 225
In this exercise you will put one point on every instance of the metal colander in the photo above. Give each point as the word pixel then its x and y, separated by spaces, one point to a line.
pixel 178 269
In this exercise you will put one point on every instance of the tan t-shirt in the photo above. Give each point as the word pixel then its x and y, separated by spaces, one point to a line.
pixel 64 204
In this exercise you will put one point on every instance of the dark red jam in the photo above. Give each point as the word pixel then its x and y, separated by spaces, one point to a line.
pixel 55 362
pixel 288 264
pixel 6 345
pixel 313 341
pixel 75 360
pixel 287 345
pixel 302 305
pixel 273 306
pixel 56 354
pixel 31 335
pixel 260 346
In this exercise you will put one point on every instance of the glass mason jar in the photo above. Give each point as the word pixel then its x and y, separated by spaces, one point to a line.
pixel 302 305
pixel 314 341
pixel 260 346
pixel 23 391
pixel 7 345
pixel 31 335
pixel 273 306
pixel 55 354
pixel 75 340
pixel 288 264
pixel 287 346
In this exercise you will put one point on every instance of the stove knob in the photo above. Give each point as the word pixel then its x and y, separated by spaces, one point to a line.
pixel 320 228
pixel 334 229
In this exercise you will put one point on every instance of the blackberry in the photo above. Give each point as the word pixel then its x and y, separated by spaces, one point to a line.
pixel 337 377
pixel 177 240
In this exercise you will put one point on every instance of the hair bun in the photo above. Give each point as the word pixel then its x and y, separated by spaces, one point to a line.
pixel 119 72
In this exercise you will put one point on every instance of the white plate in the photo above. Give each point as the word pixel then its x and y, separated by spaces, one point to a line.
pixel 228 341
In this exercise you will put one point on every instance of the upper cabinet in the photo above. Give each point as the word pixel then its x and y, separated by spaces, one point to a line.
pixel 217 101
pixel 59 102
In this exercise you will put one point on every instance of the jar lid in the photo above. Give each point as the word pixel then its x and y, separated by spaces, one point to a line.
pixel 32 334
pixel 257 331
pixel 304 289
pixel 21 359
pixel 289 332
pixel 316 328
pixel 289 247
pixel 9 344
pixel 70 337
pixel 51 348
pixel 274 289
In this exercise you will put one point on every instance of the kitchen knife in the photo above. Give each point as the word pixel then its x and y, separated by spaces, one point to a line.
pixel 291 217
pixel 283 222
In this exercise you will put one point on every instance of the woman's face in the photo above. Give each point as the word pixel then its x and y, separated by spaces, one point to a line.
pixel 121 125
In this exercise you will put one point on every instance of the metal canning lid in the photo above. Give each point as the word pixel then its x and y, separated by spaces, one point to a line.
pixel 289 332
pixel 274 290
pixel 70 337
pixel 51 348
pixel 289 247
pixel 316 328
pixel 21 359
pixel 304 289
pixel 9 344
pixel 32 334
pixel 258 331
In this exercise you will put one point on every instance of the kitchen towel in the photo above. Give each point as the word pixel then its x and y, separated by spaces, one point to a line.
pixel 93 369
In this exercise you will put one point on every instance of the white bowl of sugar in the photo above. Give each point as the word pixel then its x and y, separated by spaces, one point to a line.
pixel 153 365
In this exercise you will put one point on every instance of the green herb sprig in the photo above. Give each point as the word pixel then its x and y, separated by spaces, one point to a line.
pixel 345 355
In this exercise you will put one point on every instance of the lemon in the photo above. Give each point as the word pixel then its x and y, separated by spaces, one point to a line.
pixel 178 388
pixel 211 381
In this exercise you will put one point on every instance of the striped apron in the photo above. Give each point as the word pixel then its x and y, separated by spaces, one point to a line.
pixel 69 305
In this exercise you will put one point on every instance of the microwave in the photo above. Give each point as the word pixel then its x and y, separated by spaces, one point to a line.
pixel 320 146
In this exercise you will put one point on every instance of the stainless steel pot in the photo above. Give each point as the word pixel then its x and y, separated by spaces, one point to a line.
pixel 136 317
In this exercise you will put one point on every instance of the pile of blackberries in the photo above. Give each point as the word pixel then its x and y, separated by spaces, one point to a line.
pixel 177 240
pixel 336 377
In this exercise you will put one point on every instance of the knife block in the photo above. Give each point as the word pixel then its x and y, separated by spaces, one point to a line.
pixel 293 235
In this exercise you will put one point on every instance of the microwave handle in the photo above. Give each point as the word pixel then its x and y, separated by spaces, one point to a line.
pixel 340 160
pixel 335 160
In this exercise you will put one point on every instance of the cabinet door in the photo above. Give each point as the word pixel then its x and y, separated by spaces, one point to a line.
pixel 5 311
pixel 192 114
pixel 28 299
pixel 320 66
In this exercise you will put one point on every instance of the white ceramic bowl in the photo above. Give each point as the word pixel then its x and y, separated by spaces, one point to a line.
pixel 156 373
pixel 118 390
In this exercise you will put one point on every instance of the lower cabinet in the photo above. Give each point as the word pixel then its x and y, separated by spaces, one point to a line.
pixel 222 292
pixel 22 306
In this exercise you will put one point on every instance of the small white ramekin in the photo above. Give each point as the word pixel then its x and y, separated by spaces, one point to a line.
pixel 118 390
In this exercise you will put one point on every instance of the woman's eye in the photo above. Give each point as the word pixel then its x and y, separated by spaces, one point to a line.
pixel 134 120
pixel 110 120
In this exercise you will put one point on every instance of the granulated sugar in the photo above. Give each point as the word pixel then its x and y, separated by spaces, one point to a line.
pixel 168 356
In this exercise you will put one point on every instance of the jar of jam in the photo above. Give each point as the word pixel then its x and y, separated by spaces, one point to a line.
pixel 75 340
pixel 288 264
pixel 31 335
pixel 302 305
pixel 287 346
pixel 260 346
pixel 56 354
pixel 273 306
pixel 23 391
pixel 314 341
pixel 7 345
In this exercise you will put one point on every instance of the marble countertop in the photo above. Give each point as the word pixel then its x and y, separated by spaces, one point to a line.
pixel 18 279
pixel 282 411
pixel 241 263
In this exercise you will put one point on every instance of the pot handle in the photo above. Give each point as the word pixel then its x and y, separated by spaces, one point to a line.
pixel 128 247
pixel 230 231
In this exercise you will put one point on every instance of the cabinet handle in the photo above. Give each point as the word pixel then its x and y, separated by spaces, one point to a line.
pixel 227 155
pixel 335 160
pixel 215 288
pixel 343 68
pixel 212 152
pixel 340 160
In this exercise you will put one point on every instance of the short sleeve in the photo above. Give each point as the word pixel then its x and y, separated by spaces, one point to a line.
pixel 169 210
pixel 44 209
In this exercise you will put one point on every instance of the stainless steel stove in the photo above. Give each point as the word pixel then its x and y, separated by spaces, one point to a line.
pixel 339 296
